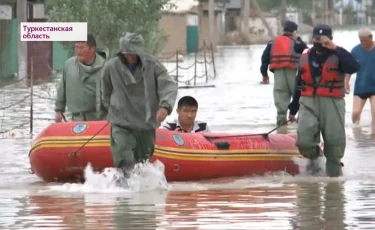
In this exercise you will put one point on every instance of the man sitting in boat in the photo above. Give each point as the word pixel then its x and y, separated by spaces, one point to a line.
pixel 187 109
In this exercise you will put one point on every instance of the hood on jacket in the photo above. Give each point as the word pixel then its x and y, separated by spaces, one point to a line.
pixel 103 51
pixel 131 43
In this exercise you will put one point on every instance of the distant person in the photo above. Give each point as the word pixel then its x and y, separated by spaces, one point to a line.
pixel 364 87
pixel 319 98
pixel 187 109
pixel 282 55
pixel 139 94
pixel 79 88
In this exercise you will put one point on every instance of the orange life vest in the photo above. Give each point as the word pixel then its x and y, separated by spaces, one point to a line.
pixel 331 82
pixel 283 54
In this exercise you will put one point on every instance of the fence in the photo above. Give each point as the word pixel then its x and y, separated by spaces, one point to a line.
pixel 25 108
pixel 199 67
pixel 18 103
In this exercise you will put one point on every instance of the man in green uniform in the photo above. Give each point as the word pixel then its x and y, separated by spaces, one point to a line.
pixel 139 94
pixel 79 88
pixel 320 84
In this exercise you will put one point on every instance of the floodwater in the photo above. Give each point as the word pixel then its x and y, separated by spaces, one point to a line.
pixel 237 103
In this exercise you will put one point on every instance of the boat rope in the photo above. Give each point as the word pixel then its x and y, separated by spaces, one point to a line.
pixel 281 125
pixel 265 135
pixel 75 152
pixel 63 116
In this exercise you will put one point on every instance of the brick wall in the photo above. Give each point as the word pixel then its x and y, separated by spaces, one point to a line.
pixel 174 25
pixel 204 30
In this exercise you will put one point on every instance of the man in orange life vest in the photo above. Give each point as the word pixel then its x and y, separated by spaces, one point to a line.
pixel 282 55
pixel 320 90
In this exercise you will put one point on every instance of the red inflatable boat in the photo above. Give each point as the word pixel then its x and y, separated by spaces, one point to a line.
pixel 62 151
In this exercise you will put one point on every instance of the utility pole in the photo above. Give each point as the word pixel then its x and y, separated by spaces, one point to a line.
pixel 245 17
pixel 282 15
pixel 313 14
pixel 211 19
pixel 282 11
pixel 22 45
pixel 333 13
pixel 325 11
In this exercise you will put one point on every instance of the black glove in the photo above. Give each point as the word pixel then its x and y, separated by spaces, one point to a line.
pixel 293 108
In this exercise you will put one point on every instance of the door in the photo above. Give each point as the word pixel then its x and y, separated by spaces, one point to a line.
pixel 192 33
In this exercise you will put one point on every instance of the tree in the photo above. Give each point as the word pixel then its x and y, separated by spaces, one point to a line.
pixel 108 19
pixel 301 5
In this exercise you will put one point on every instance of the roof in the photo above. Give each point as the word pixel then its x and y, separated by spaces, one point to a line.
pixel 181 6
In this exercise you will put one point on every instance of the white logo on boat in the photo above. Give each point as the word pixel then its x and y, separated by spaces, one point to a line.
pixel 178 139
pixel 79 128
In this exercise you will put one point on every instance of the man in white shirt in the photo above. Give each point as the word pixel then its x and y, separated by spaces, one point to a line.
pixel 187 109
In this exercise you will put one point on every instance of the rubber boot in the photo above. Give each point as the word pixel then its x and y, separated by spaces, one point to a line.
pixel 334 169
pixel 313 168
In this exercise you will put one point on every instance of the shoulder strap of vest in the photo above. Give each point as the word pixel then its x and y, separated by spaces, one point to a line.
pixel 172 126
pixel 276 39
pixel 282 37
pixel 334 60
pixel 202 126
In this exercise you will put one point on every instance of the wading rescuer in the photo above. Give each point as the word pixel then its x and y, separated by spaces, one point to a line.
pixel 139 94
pixel 320 91
pixel 79 88
pixel 282 55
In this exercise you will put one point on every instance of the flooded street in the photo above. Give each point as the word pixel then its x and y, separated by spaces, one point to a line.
pixel 237 103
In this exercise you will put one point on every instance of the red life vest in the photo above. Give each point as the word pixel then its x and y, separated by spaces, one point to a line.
pixel 331 82
pixel 283 54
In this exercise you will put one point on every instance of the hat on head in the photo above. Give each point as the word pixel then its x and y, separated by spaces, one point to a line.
pixel 364 32
pixel 290 26
pixel 322 30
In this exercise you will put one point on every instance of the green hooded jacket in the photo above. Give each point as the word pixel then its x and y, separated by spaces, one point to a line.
pixel 79 87
pixel 133 98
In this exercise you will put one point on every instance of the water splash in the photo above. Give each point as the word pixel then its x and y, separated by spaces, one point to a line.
pixel 144 177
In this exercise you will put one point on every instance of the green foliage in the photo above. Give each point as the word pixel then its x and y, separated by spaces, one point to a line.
pixel 108 19
pixel 8 2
